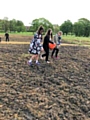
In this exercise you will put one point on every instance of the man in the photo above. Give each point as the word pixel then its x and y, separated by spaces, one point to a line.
pixel 7 36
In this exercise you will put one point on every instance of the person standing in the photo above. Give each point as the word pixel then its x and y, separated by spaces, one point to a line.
pixel 7 36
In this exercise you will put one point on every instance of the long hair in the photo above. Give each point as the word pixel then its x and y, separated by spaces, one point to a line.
pixel 48 33
pixel 39 30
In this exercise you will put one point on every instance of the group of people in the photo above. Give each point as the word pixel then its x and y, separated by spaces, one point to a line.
pixel 39 45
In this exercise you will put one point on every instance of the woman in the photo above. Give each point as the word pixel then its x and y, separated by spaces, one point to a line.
pixel 36 46
pixel 47 40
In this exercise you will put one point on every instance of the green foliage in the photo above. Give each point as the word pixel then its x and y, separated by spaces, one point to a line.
pixel 79 28
pixel 1 25
pixel 12 25
pixel 82 27
pixel 66 27
pixel 76 40
pixel 5 24
pixel 56 28
pixel 20 26
pixel 41 21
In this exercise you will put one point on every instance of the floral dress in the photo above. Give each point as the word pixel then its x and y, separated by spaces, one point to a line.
pixel 35 45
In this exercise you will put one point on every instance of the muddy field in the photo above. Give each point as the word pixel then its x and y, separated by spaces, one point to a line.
pixel 56 91
pixel 17 38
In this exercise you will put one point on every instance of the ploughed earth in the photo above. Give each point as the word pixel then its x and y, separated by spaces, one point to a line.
pixel 56 91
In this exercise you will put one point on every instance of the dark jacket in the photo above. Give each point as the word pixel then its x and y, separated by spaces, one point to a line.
pixel 46 42
pixel 6 35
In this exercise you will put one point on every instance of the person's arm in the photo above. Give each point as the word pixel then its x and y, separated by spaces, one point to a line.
pixel 38 38
pixel 51 42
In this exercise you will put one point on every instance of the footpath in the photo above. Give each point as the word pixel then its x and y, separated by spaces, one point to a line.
pixel 63 44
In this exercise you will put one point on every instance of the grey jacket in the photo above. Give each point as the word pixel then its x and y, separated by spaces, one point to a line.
pixel 57 39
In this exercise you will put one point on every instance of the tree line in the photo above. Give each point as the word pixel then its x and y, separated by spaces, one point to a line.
pixel 79 28
pixel 11 25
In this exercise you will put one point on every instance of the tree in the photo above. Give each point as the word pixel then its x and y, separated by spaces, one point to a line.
pixel 5 24
pixel 66 27
pixel 86 24
pixel 20 26
pixel 78 29
pixel 41 21
pixel 56 28
pixel 82 27
pixel 1 27
pixel 12 25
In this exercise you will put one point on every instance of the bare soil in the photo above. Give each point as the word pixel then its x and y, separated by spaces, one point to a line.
pixel 56 91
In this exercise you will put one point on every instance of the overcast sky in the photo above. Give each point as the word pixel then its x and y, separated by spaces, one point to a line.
pixel 56 11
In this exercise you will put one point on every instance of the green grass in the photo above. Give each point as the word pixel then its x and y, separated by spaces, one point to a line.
pixel 76 40
pixel 68 39
pixel 21 33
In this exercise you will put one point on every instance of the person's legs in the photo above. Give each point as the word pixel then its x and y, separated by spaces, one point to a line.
pixel 47 55
pixel 53 52
pixel 37 57
pixel 33 57
pixel 57 50
pixel 8 39
pixel 43 55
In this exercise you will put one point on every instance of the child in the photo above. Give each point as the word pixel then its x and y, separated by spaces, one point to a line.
pixel 57 40
pixel 36 46
pixel 47 40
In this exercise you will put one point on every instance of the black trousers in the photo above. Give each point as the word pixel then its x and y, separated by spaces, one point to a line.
pixel 55 50
pixel 7 39
pixel 46 53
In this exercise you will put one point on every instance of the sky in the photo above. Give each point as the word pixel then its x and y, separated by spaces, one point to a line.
pixel 56 11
